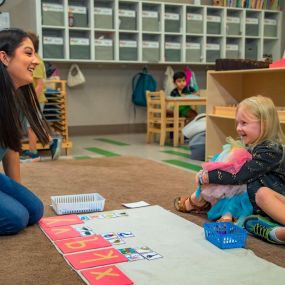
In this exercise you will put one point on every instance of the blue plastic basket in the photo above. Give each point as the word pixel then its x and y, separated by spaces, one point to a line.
pixel 225 235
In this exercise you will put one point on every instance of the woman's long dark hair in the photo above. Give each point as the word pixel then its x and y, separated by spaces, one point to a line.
pixel 14 102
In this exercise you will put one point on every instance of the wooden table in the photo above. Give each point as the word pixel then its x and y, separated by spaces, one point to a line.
pixel 176 102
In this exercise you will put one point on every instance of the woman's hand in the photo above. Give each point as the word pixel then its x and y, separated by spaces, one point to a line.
pixel 11 165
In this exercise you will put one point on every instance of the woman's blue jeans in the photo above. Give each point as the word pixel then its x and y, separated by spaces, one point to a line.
pixel 19 207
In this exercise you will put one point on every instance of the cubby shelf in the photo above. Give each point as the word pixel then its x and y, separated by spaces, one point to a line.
pixel 156 32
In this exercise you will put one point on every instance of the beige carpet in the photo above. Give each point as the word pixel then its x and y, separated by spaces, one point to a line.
pixel 29 258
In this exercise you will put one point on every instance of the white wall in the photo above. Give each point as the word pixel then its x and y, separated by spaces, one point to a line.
pixel 105 99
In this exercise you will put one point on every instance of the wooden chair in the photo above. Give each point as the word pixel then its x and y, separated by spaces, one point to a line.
pixel 157 121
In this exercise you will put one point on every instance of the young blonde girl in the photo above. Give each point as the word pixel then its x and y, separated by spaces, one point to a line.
pixel 258 125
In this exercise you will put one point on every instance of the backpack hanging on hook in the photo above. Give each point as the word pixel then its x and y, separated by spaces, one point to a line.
pixel 142 82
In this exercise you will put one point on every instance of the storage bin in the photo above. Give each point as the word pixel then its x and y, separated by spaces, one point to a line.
pixel 251 27
pixel 194 23
pixel 127 19
pixel 232 51
pixel 81 203
pixel 79 48
pixel 80 18
pixel 251 50
pixel 225 235
pixel 270 28
pixel 212 52
pixel 150 21
pixel 213 24
pixel 193 52
pixel 128 50
pixel 172 51
pixel 52 14
pixel 104 49
pixel 103 18
pixel 233 26
pixel 151 51
pixel 172 22
pixel 53 47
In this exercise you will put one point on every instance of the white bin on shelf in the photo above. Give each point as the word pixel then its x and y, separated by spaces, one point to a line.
pixel 194 23
pixel 193 52
pixel 103 18
pixel 52 14
pixel 270 28
pixel 232 51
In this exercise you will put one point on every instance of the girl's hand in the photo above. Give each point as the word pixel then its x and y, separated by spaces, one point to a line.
pixel 202 177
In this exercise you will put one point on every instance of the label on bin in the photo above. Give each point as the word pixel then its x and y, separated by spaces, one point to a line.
pixel 47 7
pixel 171 16
pixel 52 40
pixel 171 45
pixel 251 21
pixel 79 42
pixel 128 43
pixel 194 17
pixel 103 11
pixel 212 46
pixel 270 22
pixel 127 13
pixel 216 19
pixel 234 20
pixel 232 47
pixel 103 43
pixel 149 14
pixel 77 9
pixel 193 45
pixel 150 44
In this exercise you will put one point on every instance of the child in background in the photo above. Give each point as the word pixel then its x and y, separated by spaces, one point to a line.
pixel 179 79
pixel 39 76
pixel 259 128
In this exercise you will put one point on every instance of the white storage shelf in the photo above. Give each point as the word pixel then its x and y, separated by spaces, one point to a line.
pixel 220 32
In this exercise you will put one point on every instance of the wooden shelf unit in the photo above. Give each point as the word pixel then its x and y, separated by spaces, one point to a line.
pixel 55 112
pixel 231 87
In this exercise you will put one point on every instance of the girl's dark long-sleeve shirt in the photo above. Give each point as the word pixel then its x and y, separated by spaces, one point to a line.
pixel 267 168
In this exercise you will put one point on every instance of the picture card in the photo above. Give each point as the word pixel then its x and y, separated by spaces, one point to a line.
pixel 58 221
pixel 83 230
pixel 143 249
pixel 125 234
pixel 110 235
pixel 59 233
pixel 116 241
pixel 151 255
pixel 106 275
pixel 136 204
pixel 95 258
pixel 82 244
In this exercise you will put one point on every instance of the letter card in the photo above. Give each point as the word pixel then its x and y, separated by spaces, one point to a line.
pixel 107 275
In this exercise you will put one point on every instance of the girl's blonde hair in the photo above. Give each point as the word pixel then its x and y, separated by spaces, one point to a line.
pixel 264 110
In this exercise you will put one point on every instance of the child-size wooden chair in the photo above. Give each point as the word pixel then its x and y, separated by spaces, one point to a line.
pixel 157 120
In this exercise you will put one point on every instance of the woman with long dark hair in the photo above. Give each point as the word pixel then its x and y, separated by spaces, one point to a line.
pixel 19 207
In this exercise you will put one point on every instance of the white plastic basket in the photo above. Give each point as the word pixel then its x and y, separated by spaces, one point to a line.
pixel 82 203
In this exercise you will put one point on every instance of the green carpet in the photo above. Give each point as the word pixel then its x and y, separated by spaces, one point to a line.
pixel 184 164
pixel 182 154
pixel 111 141
pixel 102 151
